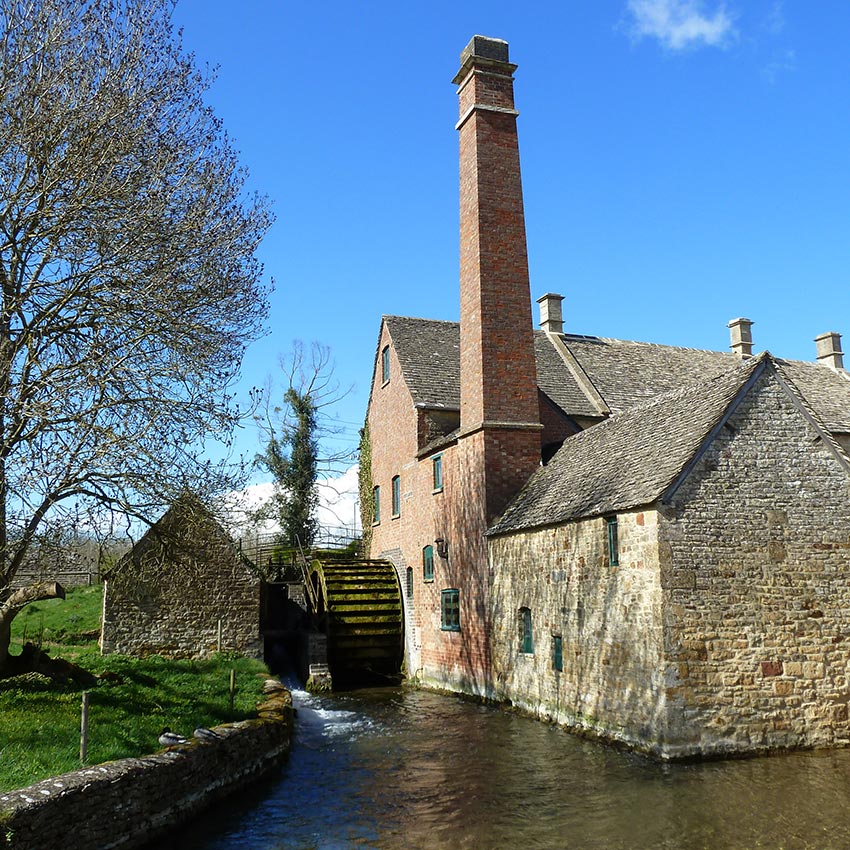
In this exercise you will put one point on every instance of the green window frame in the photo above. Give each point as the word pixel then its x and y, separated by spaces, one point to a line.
pixel 613 542
pixel 385 365
pixel 376 498
pixel 410 582
pixel 557 653
pixel 428 563
pixel 525 632
pixel 450 609
pixel 396 496
pixel 437 474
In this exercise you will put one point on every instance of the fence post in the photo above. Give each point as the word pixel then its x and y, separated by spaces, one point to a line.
pixel 84 728
pixel 232 686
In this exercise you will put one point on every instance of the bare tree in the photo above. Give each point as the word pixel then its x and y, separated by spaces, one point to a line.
pixel 297 441
pixel 128 282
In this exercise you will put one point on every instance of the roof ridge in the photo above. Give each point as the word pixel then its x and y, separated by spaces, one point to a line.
pixel 419 319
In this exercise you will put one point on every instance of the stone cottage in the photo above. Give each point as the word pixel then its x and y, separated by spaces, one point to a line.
pixel 182 590
pixel 643 541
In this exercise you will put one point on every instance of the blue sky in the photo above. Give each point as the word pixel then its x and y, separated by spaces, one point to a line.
pixel 683 163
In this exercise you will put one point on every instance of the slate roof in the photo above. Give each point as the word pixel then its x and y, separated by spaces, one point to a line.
pixel 628 460
pixel 623 372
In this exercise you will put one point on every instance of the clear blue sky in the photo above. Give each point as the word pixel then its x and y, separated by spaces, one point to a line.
pixel 683 163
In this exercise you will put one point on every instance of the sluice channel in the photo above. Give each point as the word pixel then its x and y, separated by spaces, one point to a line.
pixel 395 769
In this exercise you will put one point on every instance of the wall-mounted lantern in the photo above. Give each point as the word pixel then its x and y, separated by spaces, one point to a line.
pixel 442 547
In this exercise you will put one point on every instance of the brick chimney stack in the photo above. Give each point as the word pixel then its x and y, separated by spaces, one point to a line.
pixel 498 372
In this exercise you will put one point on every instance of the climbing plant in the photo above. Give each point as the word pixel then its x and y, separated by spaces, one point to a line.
pixel 367 492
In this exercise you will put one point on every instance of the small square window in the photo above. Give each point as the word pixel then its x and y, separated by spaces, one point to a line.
pixel 428 563
pixel 613 543
pixel 385 364
pixel 438 473
pixel 526 637
pixel 557 653
pixel 450 610
pixel 396 496
pixel 376 498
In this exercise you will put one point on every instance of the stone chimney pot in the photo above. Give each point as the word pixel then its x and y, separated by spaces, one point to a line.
pixel 829 350
pixel 551 318
pixel 742 337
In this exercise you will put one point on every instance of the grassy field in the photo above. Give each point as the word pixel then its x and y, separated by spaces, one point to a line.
pixel 133 702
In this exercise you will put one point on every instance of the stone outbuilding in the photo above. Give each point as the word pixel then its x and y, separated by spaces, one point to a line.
pixel 644 541
pixel 183 590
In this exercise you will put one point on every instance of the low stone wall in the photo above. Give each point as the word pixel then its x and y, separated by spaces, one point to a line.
pixel 128 803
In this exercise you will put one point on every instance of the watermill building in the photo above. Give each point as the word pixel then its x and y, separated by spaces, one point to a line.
pixel 643 541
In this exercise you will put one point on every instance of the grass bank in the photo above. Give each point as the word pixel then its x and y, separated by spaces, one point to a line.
pixel 134 700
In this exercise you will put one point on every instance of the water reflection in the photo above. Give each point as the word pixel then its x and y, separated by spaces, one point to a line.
pixel 406 769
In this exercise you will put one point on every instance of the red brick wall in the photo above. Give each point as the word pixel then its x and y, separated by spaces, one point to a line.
pixel 501 435
pixel 498 373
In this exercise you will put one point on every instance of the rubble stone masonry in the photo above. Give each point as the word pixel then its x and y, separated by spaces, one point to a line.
pixel 754 560
pixel 723 629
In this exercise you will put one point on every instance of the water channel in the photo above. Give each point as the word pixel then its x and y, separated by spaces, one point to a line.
pixel 399 769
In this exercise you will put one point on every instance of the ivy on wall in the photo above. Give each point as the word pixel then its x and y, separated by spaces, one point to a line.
pixel 367 493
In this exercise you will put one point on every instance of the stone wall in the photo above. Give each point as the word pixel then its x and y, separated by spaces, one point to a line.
pixel 129 803
pixel 177 596
pixel 757 603
pixel 608 618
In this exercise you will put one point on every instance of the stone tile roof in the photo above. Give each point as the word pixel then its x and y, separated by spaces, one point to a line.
pixel 624 373
pixel 628 460
pixel 556 380
pixel 429 353
pixel 825 389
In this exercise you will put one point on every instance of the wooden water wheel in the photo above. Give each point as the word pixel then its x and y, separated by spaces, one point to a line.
pixel 361 611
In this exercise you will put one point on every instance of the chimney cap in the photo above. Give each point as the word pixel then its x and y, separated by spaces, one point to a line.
pixel 485 48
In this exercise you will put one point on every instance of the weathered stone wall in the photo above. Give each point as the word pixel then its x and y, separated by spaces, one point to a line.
pixel 129 803
pixel 608 617
pixel 756 597
pixel 184 622
pixel 170 598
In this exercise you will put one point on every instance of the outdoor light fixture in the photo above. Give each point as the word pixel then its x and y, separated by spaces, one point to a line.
pixel 442 547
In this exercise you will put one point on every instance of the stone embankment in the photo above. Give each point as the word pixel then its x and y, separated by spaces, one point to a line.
pixel 128 803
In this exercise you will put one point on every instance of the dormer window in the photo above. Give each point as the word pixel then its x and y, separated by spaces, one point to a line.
pixel 385 365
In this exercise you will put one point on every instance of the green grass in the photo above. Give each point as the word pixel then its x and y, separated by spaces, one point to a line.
pixel 72 620
pixel 40 720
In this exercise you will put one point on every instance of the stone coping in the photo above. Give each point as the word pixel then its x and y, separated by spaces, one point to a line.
pixel 128 803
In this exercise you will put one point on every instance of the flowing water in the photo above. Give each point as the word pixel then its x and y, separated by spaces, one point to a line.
pixel 400 769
